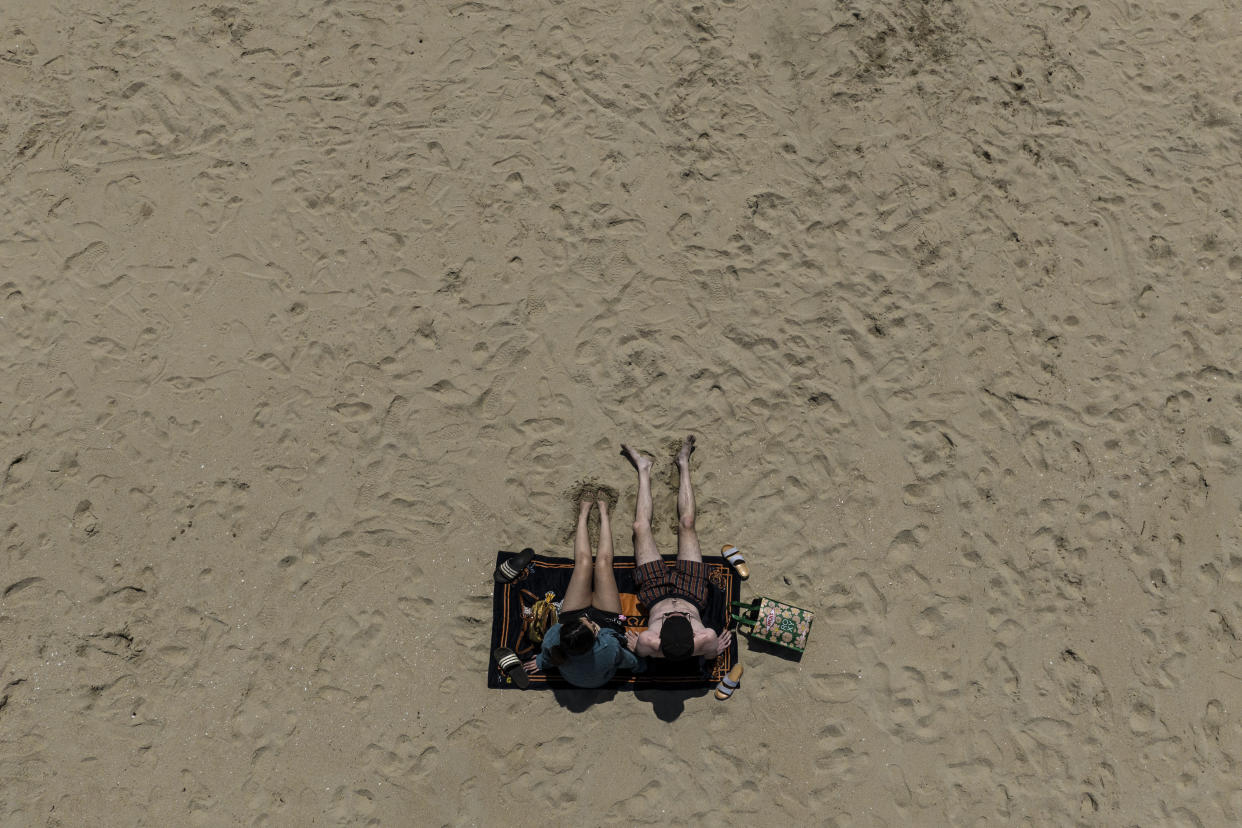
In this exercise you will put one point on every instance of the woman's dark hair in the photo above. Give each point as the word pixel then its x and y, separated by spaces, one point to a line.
pixel 576 639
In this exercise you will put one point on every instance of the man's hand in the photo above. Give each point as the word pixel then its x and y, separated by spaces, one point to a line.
pixel 722 643
pixel 631 641
pixel 531 666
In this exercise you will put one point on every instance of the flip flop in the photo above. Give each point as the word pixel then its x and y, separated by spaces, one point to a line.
pixel 507 571
pixel 511 666
pixel 735 560
pixel 729 683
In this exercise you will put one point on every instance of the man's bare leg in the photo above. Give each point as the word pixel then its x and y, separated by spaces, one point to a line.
pixel 578 593
pixel 606 596
pixel 644 542
pixel 687 537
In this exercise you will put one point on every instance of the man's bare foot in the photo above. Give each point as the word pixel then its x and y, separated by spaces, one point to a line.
pixel 687 448
pixel 640 461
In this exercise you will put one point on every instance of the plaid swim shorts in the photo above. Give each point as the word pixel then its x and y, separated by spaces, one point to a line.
pixel 683 579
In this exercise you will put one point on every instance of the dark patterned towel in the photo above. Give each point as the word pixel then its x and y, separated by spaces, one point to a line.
pixel 511 605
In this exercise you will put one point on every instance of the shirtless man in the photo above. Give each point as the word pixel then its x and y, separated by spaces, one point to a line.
pixel 674 597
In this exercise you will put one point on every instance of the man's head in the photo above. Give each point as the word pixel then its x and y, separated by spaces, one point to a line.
pixel 676 637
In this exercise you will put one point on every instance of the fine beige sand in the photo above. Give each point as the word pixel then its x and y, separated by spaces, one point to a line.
pixel 307 308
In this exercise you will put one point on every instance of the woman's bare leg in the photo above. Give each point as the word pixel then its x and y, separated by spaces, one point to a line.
pixel 644 542
pixel 606 596
pixel 578 593
pixel 687 536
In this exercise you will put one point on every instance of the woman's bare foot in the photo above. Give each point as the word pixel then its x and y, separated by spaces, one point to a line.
pixel 584 508
pixel 687 449
pixel 603 508
pixel 640 461
pixel 583 491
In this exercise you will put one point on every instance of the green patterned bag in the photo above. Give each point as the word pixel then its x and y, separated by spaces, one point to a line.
pixel 775 622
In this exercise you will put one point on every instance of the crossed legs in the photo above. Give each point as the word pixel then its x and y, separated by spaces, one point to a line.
pixel 592 584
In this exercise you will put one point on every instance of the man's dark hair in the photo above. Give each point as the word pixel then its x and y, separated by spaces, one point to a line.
pixel 677 638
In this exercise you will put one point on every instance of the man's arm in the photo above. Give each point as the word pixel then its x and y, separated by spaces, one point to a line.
pixel 707 643
pixel 640 644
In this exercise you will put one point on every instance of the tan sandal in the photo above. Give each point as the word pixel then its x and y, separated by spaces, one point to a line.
pixel 735 560
pixel 729 683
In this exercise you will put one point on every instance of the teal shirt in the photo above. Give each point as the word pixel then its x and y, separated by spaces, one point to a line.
pixel 596 667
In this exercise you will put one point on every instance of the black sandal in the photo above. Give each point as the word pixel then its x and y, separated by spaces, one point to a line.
pixel 511 666
pixel 508 570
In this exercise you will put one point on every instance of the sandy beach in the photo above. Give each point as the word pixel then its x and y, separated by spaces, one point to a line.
pixel 308 308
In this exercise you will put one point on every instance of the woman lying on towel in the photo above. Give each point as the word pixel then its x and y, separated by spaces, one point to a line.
pixel 588 645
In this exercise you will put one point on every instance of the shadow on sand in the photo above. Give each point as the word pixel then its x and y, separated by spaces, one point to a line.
pixel 667 705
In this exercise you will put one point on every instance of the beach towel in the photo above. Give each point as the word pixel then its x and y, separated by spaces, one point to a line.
pixel 511 611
